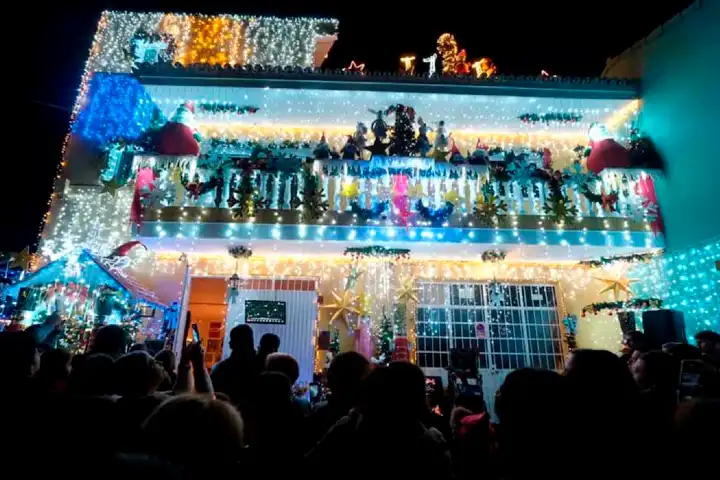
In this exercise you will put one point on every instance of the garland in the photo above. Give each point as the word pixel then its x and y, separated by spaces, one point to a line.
pixel 488 207
pixel 436 217
pixel 636 303
pixel 244 200
pixel 377 251
pixel 313 205
pixel 560 209
pixel 373 213
pixel 634 258
pixel 212 107
pixel 550 117
pixel 239 251
pixel 493 255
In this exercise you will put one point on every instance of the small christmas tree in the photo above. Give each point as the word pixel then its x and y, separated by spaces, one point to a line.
pixel 384 341
pixel 334 341
pixel 402 139
pixel 400 320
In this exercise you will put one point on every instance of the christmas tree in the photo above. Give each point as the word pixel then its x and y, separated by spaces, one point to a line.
pixel 400 323
pixel 334 341
pixel 384 341
pixel 402 139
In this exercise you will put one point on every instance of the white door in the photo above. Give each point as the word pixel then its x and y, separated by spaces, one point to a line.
pixel 296 333
pixel 518 327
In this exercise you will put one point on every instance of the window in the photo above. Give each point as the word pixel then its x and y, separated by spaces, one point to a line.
pixel 515 328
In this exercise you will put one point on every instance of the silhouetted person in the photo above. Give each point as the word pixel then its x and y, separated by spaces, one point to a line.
pixel 110 340
pixel 345 375
pixel 197 432
pixel 529 407
pixel 632 342
pixel 236 375
pixel 697 423
pixel 166 359
pixel 391 410
pixel 709 344
pixel 269 343
pixel 54 370
pixel 602 403
pixel 94 375
pixel 48 333
pixel 138 347
pixel 19 360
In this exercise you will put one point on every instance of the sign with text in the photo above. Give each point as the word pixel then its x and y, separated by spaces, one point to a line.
pixel 264 311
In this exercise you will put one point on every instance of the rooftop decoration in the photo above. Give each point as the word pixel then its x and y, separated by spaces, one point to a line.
pixel 454 59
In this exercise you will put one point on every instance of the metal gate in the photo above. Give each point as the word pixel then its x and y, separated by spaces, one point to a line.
pixel 510 326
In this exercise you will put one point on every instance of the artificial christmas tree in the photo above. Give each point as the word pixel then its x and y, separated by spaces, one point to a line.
pixel 402 138
pixel 384 341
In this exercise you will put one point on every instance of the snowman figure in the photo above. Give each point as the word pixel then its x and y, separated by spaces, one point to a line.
pixel 180 136
pixel 441 138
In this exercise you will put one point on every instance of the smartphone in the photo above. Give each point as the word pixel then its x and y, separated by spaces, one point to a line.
pixel 186 330
pixel 314 391
pixel 690 373
pixel 196 333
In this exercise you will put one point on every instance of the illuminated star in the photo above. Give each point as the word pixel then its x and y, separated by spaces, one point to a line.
pixel 110 187
pixel 21 260
pixel 408 291
pixel 344 305
pixel 350 189
pixel 355 67
pixel 617 285
pixel 364 306
pixel 452 197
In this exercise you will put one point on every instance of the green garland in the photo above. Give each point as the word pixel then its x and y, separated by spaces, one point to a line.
pixel 634 258
pixel 377 251
pixel 560 209
pixel 550 117
pixel 493 255
pixel 635 303
pixel 212 107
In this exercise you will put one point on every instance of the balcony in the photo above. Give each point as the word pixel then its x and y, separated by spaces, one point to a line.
pixel 365 203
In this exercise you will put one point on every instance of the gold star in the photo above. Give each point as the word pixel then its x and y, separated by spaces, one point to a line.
pixel 343 306
pixel 407 291
pixel 110 187
pixel 21 259
pixel 364 306
pixel 350 189
pixel 451 197
pixel 617 285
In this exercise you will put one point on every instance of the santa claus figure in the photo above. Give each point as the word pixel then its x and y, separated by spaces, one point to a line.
pixel 179 136
pixel 606 152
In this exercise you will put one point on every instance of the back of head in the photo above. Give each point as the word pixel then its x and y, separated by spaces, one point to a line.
pixel 283 363
pixel 656 371
pixel 242 339
pixel 395 392
pixel 345 375
pixel 137 374
pixel 600 375
pixel 274 391
pixel 138 347
pixel 269 343
pixel 708 342
pixel 682 351
pixel 208 431
pixel 18 355
pixel 167 359
pixel 529 397
pixel 55 364
pixel 110 340
pixel 635 340
pixel 94 376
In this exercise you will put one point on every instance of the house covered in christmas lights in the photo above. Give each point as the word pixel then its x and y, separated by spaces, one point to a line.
pixel 407 215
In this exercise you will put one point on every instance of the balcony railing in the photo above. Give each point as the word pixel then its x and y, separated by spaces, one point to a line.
pixel 281 191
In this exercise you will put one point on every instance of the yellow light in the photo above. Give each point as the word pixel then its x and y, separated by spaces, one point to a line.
pixel 408 63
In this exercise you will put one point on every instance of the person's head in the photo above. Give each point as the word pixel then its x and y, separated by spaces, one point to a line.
pixel 475 403
pixel 283 363
pixel 241 339
pixel 708 342
pixel 527 394
pixel 167 359
pixel 395 392
pixel 194 430
pixel 110 340
pixel 682 351
pixel 269 343
pixel 19 357
pixel 138 347
pixel 696 424
pixel 345 375
pixel 274 392
pixel 656 371
pixel 632 341
pixel 95 375
pixel 55 364
pixel 137 374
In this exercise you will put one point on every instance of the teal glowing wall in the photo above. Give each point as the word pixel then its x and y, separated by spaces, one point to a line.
pixel 681 112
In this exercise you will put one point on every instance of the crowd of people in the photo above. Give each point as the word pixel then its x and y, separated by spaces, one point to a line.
pixel 117 411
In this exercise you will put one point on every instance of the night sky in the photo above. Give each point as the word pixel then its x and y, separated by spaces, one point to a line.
pixel 564 38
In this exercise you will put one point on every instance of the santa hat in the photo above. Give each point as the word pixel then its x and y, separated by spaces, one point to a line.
pixel 190 106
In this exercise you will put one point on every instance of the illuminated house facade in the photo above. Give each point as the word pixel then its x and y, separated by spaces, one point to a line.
pixel 412 213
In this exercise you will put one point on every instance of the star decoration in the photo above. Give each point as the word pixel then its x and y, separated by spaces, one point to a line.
pixel 452 197
pixel 111 187
pixel 344 305
pixel 350 189
pixel 363 306
pixel 407 291
pixel 355 67
pixel 21 260
pixel 415 191
pixel 617 285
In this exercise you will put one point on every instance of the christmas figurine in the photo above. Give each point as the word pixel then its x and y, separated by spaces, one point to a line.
pixel 322 151
pixel 180 136
pixel 479 155
pixel 455 155
pixel 360 138
pixel 379 127
pixel 350 150
pixel 606 152
pixel 441 143
pixel 423 143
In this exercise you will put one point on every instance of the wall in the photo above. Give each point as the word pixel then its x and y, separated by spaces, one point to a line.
pixel 680 65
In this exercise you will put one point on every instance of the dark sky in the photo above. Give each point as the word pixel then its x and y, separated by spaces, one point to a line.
pixel 564 38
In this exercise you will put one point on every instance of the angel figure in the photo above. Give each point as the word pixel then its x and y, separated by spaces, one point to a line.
pixel 423 143
pixel 379 127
